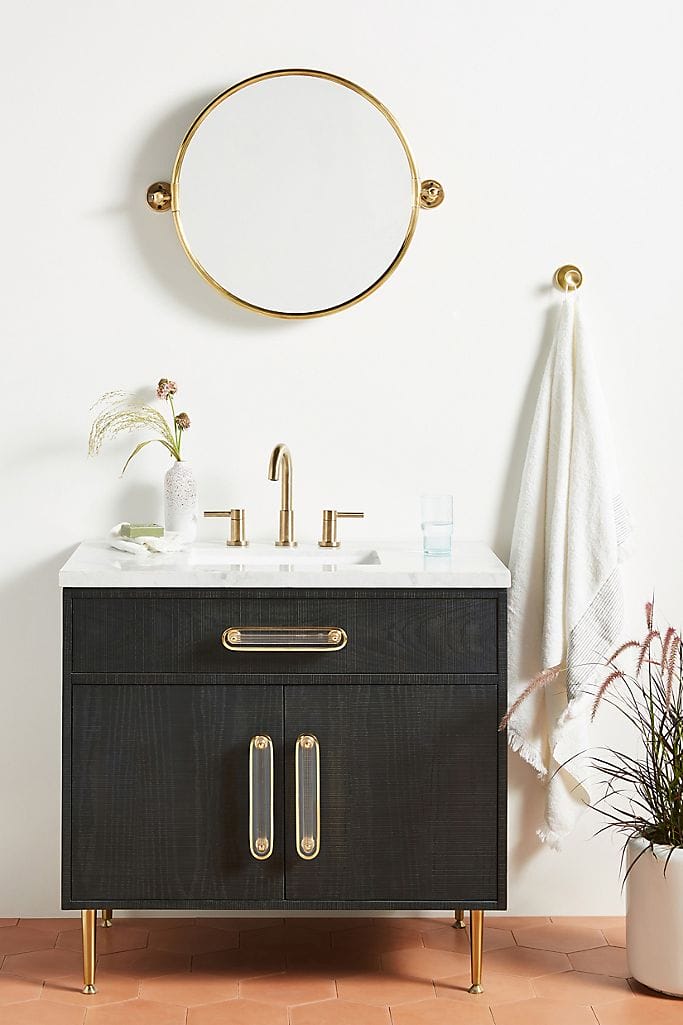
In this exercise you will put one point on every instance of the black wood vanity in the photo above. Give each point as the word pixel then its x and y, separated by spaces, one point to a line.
pixel 284 748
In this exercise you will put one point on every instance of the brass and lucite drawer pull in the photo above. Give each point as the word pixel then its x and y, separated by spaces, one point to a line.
pixel 307 786
pixel 261 796
pixel 284 638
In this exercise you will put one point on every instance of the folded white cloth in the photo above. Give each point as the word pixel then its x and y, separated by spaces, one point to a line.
pixel 144 545
pixel 566 602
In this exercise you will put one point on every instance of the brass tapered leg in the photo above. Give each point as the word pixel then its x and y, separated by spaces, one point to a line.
pixel 476 949
pixel 459 922
pixel 88 923
pixel 107 915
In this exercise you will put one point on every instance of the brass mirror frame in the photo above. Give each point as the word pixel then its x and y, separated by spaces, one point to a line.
pixel 162 196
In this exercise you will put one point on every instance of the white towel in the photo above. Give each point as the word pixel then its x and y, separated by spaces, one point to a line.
pixel 170 542
pixel 566 602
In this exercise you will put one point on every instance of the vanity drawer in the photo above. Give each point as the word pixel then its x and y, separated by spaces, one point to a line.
pixel 175 631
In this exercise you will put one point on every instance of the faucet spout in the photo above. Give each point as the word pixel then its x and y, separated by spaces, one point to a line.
pixel 280 468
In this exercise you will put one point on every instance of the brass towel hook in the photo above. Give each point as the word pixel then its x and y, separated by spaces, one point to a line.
pixel 567 278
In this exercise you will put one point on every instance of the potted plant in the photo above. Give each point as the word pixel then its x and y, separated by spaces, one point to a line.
pixel 118 412
pixel 641 797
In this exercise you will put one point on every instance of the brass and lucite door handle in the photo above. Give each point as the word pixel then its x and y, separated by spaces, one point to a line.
pixel 307 787
pixel 284 638
pixel 261 796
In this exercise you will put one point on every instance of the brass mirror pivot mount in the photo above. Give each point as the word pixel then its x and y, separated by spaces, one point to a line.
pixel 431 194
pixel 567 278
pixel 330 517
pixel 237 537
pixel 159 196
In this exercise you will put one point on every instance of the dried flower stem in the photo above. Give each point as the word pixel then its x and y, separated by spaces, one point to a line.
pixel 541 680
pixel 120 413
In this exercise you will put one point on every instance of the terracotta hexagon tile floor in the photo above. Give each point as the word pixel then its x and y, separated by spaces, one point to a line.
pixel 615 934
pixel 281 936
pixel 441 1012
pixel 19 940
pixel 112 990
pixel 40 1012
pixel 458 940
pixel 313 958
pixel 109 941
pixel 49 929
pixel 14 988
pixel 319 925
pixel 648 1008
pixel 196 939
pixel 562 938
pixel 137 1012
pixel 587 921
pixel 383 988
pixel 237 1012
pixel 515 922
pixel 420 925
pixel 189 989
pixel 157 923
pixel 423 964
pixel 379 938
pixel 42 965
pixel 288 988
pixel 632 1012
pixel 499 988
pixel 242 924
pixel 581 988
pixel 324 971
pixel 240 963
pixel 601 961
pixel 527 961
pixel 542 1012
pixel 339 1012
pixel 144 963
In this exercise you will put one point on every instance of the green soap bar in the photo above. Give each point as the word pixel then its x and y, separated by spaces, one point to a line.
pixel 141 530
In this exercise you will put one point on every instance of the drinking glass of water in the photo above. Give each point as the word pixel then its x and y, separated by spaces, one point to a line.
pixel 437 524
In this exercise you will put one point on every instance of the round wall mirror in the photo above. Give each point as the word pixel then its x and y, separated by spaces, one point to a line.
pixel 295 193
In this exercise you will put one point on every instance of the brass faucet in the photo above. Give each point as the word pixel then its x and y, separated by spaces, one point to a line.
pixel 280 468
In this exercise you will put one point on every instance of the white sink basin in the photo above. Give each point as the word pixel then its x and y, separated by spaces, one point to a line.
pixel 220 555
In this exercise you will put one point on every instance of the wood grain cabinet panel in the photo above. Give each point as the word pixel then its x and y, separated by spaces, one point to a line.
pixel 160 794
pixel 414 632
pixel 408 795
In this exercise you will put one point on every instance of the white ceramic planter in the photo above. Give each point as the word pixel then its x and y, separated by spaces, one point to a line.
pixel 654 917
pixel 181 506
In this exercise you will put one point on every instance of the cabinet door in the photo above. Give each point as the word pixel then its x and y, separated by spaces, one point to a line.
pixel 408 792
pixel 160 783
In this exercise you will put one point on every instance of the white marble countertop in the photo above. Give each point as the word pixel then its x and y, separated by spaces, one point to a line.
pixel 212 564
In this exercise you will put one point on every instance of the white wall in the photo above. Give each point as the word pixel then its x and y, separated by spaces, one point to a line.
pixel 556 132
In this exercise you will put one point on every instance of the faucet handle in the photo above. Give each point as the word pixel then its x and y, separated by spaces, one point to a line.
pixel 330 517
pixel 237 537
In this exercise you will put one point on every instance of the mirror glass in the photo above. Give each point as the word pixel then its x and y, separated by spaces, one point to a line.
pixel 295 193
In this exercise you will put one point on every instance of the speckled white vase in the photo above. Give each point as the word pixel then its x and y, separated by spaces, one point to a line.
pixel 654 917
pixel 181 505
